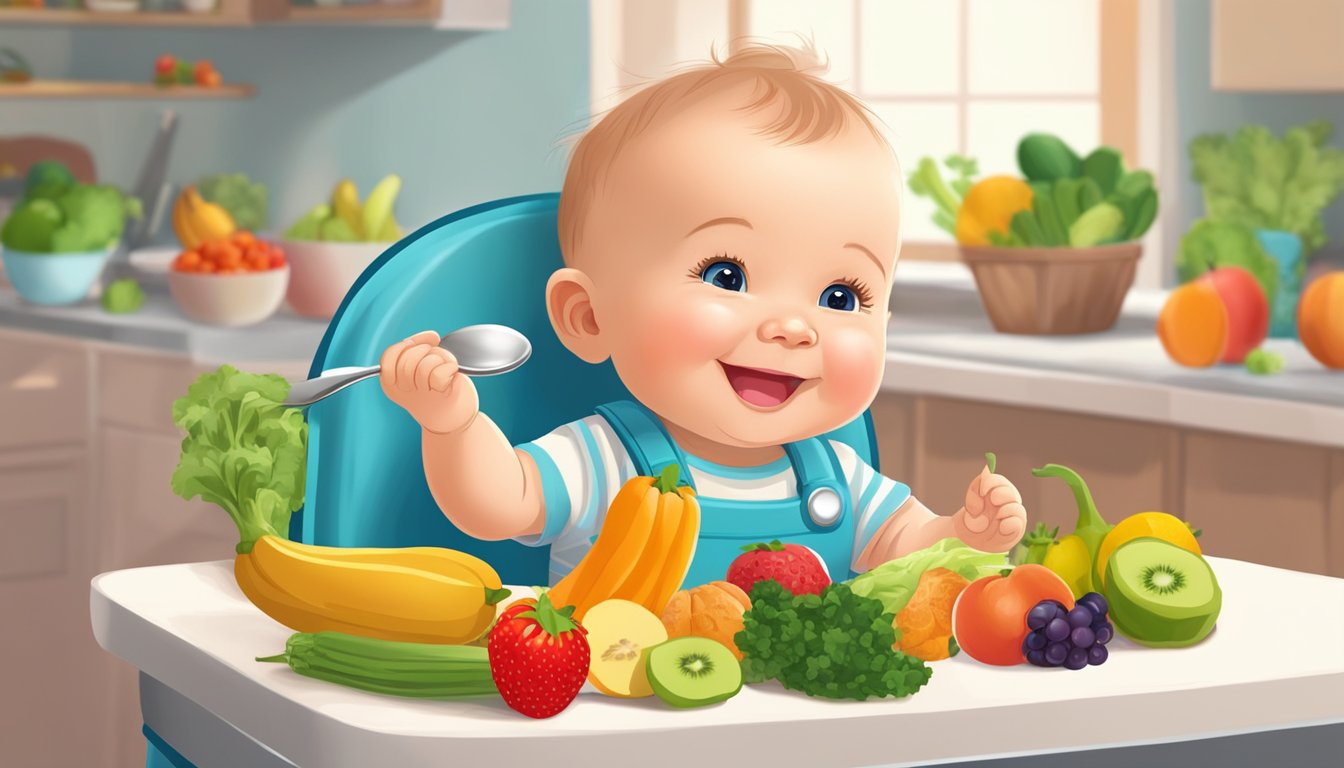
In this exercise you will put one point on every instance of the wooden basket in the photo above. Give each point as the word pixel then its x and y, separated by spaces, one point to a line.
pixel 1053 290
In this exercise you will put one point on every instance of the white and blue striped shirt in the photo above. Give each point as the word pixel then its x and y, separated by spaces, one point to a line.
pixel 583 464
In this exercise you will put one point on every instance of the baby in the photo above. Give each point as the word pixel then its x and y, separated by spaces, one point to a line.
pixel 730 236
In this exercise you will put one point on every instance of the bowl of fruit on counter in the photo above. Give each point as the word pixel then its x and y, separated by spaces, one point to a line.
pixel 335 241
pixel 232 281
pixel 1054 250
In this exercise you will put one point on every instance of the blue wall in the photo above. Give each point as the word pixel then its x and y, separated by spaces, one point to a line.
pixel 1201 110
pixel 463 117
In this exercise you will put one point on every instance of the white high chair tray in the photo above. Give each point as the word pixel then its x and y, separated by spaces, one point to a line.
pixel 1276 660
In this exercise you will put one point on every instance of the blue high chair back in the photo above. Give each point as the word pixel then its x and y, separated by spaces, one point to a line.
pixel 485 264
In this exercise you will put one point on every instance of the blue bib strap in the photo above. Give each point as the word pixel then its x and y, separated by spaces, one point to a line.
pixel 645 439
pixel 816 466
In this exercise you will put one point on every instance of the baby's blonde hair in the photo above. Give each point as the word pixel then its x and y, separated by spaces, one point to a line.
pixel 810 110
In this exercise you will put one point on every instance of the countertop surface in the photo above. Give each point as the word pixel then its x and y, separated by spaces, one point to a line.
pixel 189 627
pixel 161 327
pixel 941 342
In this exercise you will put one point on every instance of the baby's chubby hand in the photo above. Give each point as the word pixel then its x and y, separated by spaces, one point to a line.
pixel 422 377
pixel 993 519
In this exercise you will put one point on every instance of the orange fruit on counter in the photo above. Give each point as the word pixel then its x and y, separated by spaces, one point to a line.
pixel 1193 325
pixel 712 610
pixel 1320 319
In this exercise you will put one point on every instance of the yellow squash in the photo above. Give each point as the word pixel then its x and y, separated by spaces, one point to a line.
pixel 1158 525
pixel 989 206
pixel 418 594
pixel 642 552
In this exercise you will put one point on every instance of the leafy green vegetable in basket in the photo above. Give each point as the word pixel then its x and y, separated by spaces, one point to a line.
pixel 244 199
pixel 1044 157
pixel 1263 182
pixel 837 645
pixel 243 450
pixel 1211 244
pixel 893 582
pixel 927 181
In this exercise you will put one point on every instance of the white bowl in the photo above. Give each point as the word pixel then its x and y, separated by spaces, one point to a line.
pixel 324 272
pixel 230 300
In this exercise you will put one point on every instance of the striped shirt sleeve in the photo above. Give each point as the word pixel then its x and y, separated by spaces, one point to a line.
pixel 582 466
pixel 875 497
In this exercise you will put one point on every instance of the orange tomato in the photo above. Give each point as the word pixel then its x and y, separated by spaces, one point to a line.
pixel 244 238
pixel 989 619
pixel 206 267
pixel 212 250
pixel 187 261
pixel 277 261
pixel 258 264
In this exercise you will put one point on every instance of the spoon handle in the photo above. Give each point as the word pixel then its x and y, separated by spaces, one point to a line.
pixel 329 383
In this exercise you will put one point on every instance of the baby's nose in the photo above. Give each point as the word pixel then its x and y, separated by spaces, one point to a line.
pixel 789 331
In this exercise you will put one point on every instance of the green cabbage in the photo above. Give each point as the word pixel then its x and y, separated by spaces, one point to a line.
pixel 894 582
pixel 83 217
pixel 244 199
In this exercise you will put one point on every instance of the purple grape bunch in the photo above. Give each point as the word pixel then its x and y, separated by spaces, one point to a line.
pixel 1072 639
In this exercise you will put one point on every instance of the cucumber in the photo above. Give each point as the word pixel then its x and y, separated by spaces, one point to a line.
pixel 417 670
pixel 1027 229
pixel 1097 225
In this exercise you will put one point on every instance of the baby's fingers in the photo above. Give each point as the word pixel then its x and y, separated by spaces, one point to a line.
pixel 427 365
pixel 442 374
pixel 1012 521
pixel 1003 493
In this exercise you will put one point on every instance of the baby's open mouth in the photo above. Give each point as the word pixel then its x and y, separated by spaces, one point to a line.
pixel 759 386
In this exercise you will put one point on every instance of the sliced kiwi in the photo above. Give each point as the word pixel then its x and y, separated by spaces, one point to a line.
pixel 693 672
pixel 1161 594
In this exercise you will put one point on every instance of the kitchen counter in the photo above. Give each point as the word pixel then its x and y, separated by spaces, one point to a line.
pixel 941 342
pixel 194 637
pixel 159 326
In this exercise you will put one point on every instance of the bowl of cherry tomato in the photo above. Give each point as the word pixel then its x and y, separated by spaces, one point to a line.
pixel 240 280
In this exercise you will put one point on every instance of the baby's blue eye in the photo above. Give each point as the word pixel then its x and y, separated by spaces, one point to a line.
pixel 726 275
pixel 839 296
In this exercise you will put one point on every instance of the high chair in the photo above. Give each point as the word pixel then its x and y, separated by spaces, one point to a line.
pixel 485 264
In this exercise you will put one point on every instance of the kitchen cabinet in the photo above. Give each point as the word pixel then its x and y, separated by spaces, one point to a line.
pixel 1272 502
pixel 1285 45
pixel 87 451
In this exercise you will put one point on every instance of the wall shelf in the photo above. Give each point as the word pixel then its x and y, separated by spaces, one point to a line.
pixel 85 89
pixel 443 14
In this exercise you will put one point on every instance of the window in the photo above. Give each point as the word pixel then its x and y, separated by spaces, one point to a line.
pixel 970 76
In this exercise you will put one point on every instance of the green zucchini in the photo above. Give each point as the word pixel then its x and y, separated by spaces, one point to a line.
pixel 418 670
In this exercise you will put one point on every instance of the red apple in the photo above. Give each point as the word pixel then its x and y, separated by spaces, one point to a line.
pixel 1247 310
pixel 165 64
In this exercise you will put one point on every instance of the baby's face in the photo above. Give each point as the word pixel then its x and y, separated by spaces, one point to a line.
pixel 741 286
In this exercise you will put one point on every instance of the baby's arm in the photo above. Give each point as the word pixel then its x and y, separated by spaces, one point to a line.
pixel 992 520
pixel 488 489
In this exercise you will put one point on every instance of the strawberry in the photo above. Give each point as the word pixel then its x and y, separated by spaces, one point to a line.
pixel 538 657
pixel 794 566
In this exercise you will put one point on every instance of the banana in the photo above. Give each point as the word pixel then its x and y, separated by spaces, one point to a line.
pixel 207 220
pixel 378 206
pixel 345 202
pixel 391 231
pixel 182 224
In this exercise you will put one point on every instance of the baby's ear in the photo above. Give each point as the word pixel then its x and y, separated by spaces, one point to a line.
pixel 569 304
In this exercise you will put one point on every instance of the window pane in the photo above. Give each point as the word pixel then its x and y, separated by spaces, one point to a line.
pixel 829 25
pixel 917 130
pixel 995 127
pixel 1032 46
pixel 910 47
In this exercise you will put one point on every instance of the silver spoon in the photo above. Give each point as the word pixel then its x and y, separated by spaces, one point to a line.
pixel 481 350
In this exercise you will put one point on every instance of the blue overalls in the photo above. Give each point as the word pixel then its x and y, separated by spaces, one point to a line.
pixel 819 517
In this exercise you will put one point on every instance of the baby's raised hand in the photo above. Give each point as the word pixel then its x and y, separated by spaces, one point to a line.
pixel 993 519
pixel 422 377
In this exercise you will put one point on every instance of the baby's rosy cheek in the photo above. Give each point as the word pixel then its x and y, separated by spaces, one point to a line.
pixel 853 362
pixel 687 332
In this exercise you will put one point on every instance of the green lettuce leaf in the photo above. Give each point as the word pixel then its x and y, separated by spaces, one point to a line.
pixel 1212 244
pixel 894 582
pixel 243 451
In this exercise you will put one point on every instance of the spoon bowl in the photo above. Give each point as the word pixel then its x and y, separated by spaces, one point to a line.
pixel 481 350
